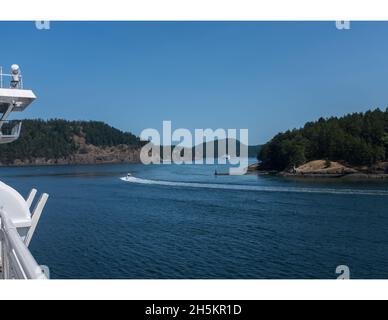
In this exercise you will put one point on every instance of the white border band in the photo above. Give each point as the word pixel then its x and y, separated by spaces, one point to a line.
pixel 194 10
pixel 192 290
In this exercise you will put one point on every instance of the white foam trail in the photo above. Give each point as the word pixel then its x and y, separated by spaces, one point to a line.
pixel 255 188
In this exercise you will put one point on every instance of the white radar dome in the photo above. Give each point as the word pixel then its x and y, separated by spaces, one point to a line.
pixel 15 69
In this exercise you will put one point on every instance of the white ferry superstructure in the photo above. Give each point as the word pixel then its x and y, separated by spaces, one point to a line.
pixel 18 221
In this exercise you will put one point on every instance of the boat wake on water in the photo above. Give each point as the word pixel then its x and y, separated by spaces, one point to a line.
pixel 132 179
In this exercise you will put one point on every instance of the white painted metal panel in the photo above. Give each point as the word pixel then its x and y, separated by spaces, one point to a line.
pixel 22 98
pixel 15 206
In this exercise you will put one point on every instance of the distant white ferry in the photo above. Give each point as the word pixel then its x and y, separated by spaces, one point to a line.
pixel 17 221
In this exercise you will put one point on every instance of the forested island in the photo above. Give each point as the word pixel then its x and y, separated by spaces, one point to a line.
pixel 70 142
pixel 356 144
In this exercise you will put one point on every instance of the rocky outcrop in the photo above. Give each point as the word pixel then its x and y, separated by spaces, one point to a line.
pixel 324 167
pixel 330 169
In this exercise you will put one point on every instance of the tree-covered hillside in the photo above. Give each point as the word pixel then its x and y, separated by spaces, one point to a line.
pixel 56 139
pixel 356 139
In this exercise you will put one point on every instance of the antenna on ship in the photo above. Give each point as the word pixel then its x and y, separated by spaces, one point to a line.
pixel 18 221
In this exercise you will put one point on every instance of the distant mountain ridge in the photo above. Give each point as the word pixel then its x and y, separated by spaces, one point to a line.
pixel 252 150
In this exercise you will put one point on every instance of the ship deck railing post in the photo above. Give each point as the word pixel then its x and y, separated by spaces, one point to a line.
pixel 18 261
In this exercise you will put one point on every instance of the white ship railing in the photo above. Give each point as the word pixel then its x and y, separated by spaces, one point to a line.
pixel 17 261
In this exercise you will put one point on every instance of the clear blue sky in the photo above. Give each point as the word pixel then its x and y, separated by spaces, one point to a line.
pixel 267 77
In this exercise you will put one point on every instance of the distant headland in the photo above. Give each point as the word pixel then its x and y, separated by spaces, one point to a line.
pixel 61 142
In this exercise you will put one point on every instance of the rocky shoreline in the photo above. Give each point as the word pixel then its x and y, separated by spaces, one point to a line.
pixel 87 155
pixel 323 169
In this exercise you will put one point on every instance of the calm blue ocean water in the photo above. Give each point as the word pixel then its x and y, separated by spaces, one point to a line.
pixel 183 222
